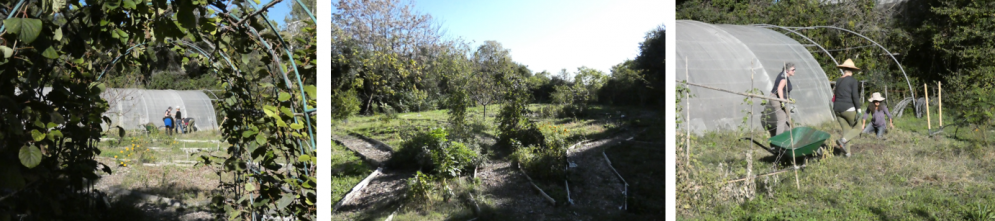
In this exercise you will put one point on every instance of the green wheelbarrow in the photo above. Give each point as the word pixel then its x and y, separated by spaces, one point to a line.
pixel 804 141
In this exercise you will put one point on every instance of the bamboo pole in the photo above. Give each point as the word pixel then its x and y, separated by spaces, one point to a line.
pixel 687 121
pixel 791 125
pixel 744 94
pixel 939 86
pixel 929 123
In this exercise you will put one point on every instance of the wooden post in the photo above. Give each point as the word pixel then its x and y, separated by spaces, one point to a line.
pixel 791 134
pixel 886 94
pixel 929 124
pixel 687 121
pixel 939 86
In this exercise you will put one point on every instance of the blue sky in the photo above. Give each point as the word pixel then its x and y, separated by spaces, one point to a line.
pixel 552 34
pixel 279 11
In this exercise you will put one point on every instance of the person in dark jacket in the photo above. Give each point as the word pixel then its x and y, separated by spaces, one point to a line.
pixel 878 112
pixel 179 121
pixel 847 104
pixel 168 121
pixel 775 112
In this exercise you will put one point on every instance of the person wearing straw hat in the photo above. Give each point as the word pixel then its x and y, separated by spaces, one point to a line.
pixel 775 112
pixel 877 112
pixel 847 104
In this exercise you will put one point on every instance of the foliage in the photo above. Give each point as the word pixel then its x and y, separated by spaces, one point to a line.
pixel 433 152
pixel 49 139
pixel 420 187
pixel 513 122
pixel 626 86
pixel 546 160
pixel 345 104
pixel 651 62
pixel 385 46
pixel 956 34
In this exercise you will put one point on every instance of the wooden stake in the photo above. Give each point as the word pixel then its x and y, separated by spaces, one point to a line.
pixel 687 121
pixel 791 125
pixel 929 124
pixel 939 86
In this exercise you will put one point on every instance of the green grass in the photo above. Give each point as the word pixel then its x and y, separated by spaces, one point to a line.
pixel 347 170
pixel 907 176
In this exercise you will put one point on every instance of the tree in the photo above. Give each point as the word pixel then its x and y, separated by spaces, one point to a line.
pixel 493 63
pixel 626 86
pixel 650 61
pixel 387 36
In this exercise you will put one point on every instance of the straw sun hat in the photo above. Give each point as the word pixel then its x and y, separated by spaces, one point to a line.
pixel 848 64
pixel 876 96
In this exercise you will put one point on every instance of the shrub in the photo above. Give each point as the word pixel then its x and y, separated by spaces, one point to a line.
pixel 420 187
pixel 546 160
pixel 432 151
pixel 345 104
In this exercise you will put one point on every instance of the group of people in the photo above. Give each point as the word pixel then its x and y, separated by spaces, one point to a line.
pixel 173 123
pixel 846 104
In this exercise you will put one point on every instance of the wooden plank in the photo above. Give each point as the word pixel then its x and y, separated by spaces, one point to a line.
pixel 536 187
pixel 355 190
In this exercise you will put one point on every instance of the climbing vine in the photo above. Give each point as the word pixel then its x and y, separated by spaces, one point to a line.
pixel 55 52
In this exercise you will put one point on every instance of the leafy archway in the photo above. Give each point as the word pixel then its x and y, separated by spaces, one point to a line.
pixel 50 138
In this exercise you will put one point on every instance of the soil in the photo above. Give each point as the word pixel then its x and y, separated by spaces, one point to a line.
pixel 165 194
pixel 384 190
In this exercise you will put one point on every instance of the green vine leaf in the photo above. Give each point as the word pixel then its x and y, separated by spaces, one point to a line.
pixel 129 4
pixel 26 28
pixel 284 96
pixel 7 51
pixel 249 187
pixel 270 111
pixel 37 135
pixel 30 156
pixel 50 53
pixel 58 33
pixel 261 138
pixel 311 91
pixel 285 200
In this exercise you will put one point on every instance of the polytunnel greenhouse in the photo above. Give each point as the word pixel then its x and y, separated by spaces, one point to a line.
pixel 132 108
pixel 725 56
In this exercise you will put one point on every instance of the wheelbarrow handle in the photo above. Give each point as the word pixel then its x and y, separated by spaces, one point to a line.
pixel 768 149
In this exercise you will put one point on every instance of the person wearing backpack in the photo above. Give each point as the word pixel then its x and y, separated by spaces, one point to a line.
pixel 168 121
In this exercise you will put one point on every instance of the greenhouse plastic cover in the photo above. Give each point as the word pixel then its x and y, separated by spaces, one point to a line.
pixel 132 108
pixel 723 56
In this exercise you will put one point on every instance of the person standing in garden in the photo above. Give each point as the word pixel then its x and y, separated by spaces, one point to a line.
pixel 179 120
pixel 168 121
pixel 846 104
pixel 878 113
pixel 775 112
